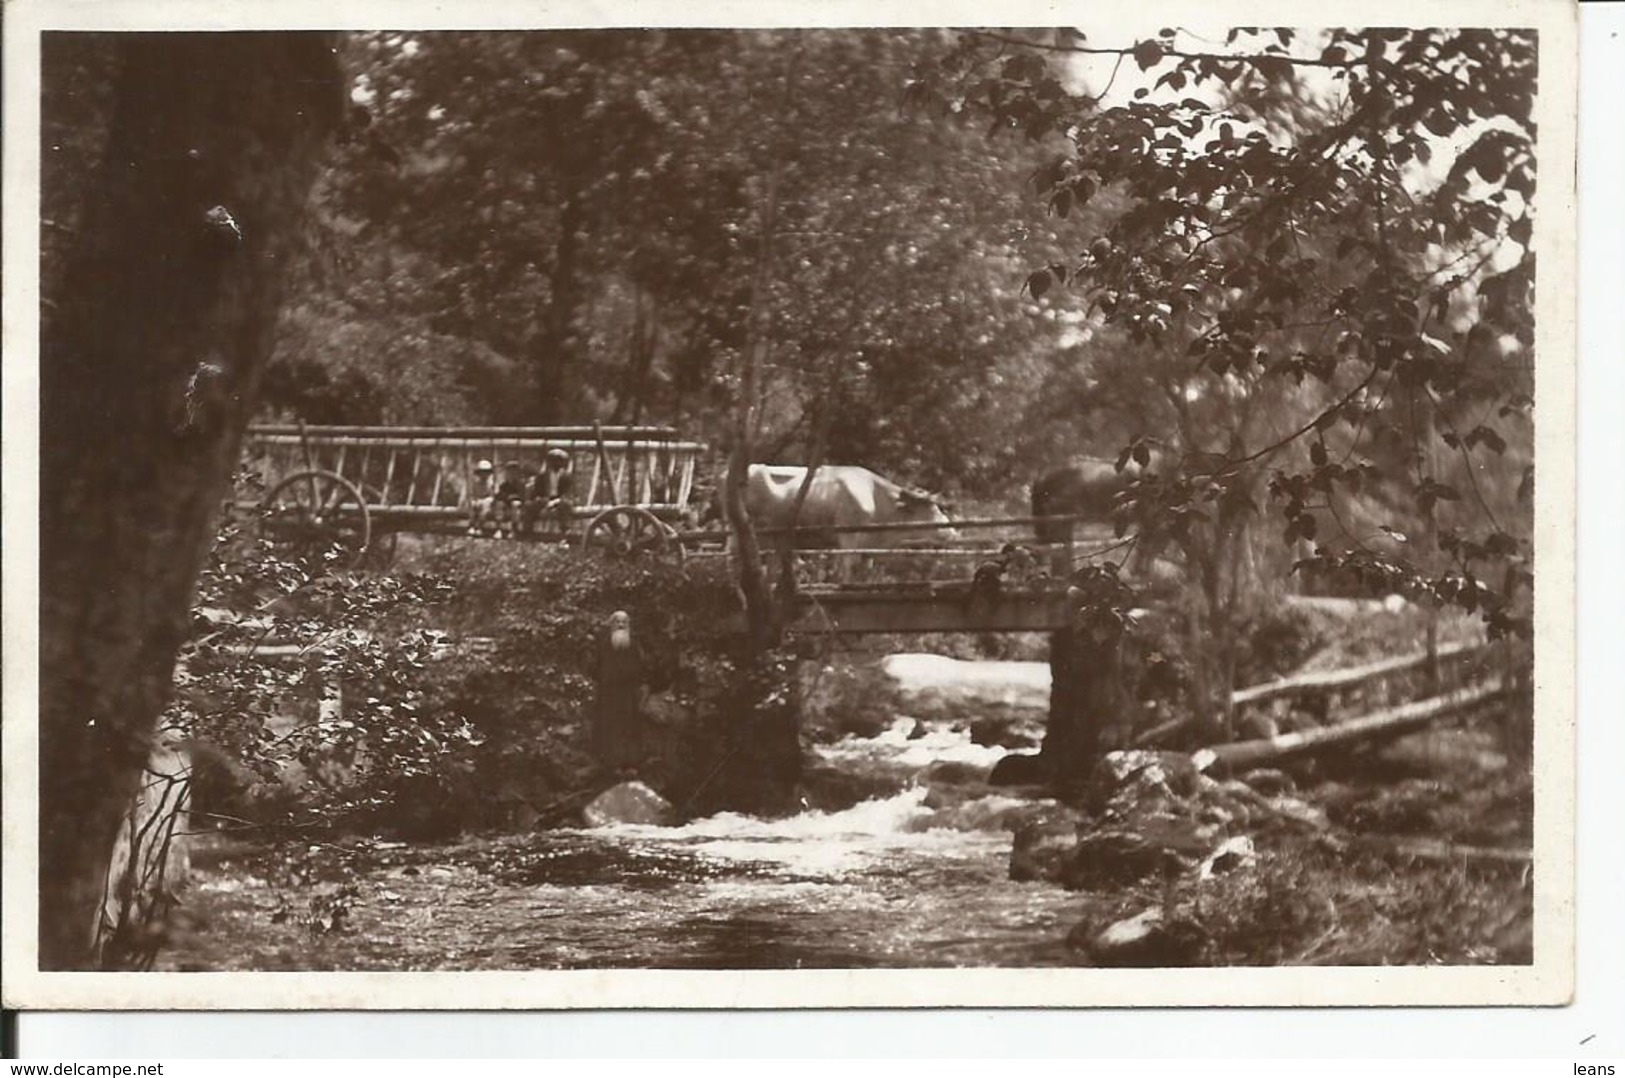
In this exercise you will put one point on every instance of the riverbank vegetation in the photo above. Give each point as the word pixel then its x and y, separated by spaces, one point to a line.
pixel 455 693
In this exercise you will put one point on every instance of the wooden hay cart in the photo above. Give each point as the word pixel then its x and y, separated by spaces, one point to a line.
pixel 355 489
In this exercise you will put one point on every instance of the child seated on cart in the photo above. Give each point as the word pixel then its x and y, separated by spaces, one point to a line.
pixel 495 507
pixel 550 493
pixel 482 499
pixel 508 503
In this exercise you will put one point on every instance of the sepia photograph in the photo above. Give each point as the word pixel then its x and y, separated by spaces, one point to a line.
pixel 795 516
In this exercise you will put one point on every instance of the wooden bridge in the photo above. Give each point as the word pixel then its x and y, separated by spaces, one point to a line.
pixel 1011 584
pixel 1002 581
pixel 932 608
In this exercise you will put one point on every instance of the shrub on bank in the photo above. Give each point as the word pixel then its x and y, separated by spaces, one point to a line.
pixel 453 693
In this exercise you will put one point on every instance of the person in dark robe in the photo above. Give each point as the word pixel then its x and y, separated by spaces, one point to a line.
pixel 617 719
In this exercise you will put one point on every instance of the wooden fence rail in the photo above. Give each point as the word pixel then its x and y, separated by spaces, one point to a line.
pixel 1330 682
pixel 1376 700
pixel 1388 722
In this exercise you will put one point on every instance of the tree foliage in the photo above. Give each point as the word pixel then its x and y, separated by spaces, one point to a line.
pixel 566 226
pixel 1331 226
pixel 315 688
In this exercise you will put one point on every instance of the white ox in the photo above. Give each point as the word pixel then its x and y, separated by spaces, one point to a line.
pixel 841 496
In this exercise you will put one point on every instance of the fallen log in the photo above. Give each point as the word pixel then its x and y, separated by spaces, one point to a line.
pixel 1390 722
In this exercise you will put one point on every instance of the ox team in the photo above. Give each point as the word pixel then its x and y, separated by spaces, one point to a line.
pixel 840 496
pixel 843 496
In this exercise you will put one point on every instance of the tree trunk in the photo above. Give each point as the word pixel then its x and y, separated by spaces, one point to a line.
pixel 558 344
pixel 765 757
pixel 148 377
pixel 642 341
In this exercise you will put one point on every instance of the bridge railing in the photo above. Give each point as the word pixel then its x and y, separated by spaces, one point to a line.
pixel 938 552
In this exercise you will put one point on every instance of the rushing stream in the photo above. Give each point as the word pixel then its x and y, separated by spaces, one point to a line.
pixel 917 878
pixel 881 884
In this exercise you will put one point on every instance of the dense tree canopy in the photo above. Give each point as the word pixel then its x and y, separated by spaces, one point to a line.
pixel 564 226
pixel 1324 247
pixel 1302 256
pixel 1297 265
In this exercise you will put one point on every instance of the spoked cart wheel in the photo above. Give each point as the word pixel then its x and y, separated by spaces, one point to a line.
pixel 314 511
pixel 627 531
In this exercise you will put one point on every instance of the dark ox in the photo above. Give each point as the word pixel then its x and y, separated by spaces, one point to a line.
pixel 841 496
pixel 1083 488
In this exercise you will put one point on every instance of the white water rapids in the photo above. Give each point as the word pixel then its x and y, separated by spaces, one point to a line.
pixel 917 878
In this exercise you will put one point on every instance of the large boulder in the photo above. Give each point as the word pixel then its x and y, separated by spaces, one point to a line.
pixel 628 802
pixel 1153 815
pixel 1141 771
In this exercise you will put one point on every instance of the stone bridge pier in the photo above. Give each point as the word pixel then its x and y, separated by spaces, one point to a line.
pixel 1088 707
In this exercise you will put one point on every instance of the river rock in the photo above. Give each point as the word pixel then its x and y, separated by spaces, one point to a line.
pixel 1002 731
pixel 1257 726
pixel 1297 720
pixel 628 802
pixel 1042 848
pixel 1174 772
pixel 830 788
pixel 1142 940
pixel 956 773
pixel 1109 859
pixel 1233 853
pixel 1270 782
pixel 1020 769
